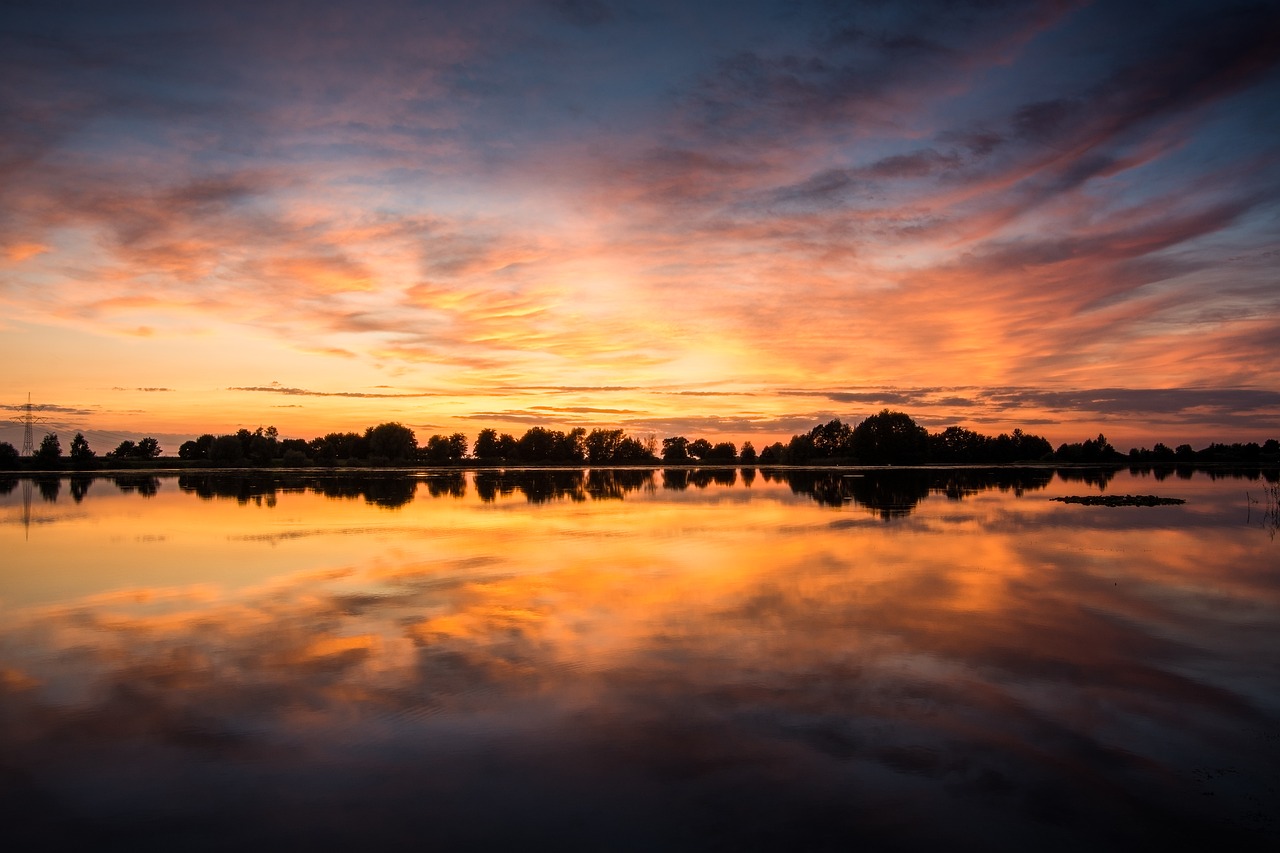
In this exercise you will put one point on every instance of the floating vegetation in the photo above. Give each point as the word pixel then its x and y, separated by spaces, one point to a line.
pixel 1118 500
pixel 1270 508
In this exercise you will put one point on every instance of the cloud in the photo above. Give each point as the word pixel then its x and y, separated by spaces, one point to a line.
pixel 302 392
pixel 487 198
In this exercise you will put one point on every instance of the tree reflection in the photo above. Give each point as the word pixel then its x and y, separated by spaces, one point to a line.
pixel 614 483
pixel 80 486
pixel 144 484
pixel 1099 477
pixel 450 485
pixel 390 491
pixel 896 493
pixel 538 486
pixel 49 488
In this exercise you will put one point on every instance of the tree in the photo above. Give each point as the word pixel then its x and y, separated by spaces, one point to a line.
pixel 338 445
pixel 261 449
pixel 748 454
pixel 226 450
pixel 442 449
pixel 487 448
pixel 81 455
pixel 774 454
pixel 957 444
pixel 699 448
pixel 148 448
pixel 198 449
pixel 723 451
pixel 50 452
pixel 393 441
pixel 799 450
pixel 633 450
pixel 602 445
pixel 9 457
pixel 675 449
pixel 832 439
pixel 124 450
pixel 890 438
pixel 538 444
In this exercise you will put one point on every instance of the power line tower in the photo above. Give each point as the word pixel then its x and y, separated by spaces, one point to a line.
pixel 28 436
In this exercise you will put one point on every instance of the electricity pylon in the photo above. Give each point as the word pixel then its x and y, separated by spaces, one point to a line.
pixel 28 438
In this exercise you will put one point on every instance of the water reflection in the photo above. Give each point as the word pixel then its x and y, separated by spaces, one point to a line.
pixel 641 660
pixel 886 493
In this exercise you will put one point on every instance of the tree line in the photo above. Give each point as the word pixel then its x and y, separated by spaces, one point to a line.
pixel 885 438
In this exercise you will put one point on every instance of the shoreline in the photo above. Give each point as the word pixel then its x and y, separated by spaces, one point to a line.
pixel 177 469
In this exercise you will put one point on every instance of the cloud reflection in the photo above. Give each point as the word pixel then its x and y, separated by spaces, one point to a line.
pixel 1067 681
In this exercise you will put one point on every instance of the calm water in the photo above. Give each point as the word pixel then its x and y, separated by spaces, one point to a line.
pixel 638 660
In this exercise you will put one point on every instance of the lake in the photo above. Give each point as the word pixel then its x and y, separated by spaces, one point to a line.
pixel 639 660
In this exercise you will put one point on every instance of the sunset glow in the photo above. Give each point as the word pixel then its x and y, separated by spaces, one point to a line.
pixel 726 220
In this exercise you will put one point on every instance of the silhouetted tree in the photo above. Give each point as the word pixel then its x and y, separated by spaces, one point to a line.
pixel 124 450
pixel 675 449
pixel 1090 450
pixel 613 446
pixel 633 450
pixel 831 440
pixel 487 447
pixel 148 448
pixel 226 450
pixel 724 452
pixel 294 445
pixel 294 458
pixel 747 456
pixel 9 457
pixel 699 448
pixel 337 446
pixel 774 454
pixel 50 452
pixel 799 450
pixel 196 450
pixel 442 449
pixel 890 438
pixel 957 444
pixel 540 444
pixel 395 442
pixel 81 456
pixel 602 445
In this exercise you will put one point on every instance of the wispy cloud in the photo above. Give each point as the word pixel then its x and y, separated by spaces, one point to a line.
pixel 303 392
pixel 587 198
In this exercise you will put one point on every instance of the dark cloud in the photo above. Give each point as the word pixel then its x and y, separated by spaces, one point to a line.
pixel 583 410
pixel 1142 401
pixel 302 392
pixel 51 408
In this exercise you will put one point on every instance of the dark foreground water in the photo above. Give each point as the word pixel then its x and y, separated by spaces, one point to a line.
pixel 638 660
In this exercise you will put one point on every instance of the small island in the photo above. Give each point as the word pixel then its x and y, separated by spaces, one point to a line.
pixel 1118 500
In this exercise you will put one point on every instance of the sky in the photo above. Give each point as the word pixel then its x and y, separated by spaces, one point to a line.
pixel 730 220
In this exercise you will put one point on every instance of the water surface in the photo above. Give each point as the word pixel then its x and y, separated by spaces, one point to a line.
pixel 638 660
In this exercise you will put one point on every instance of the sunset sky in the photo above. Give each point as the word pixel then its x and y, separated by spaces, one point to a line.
pixel 715 219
